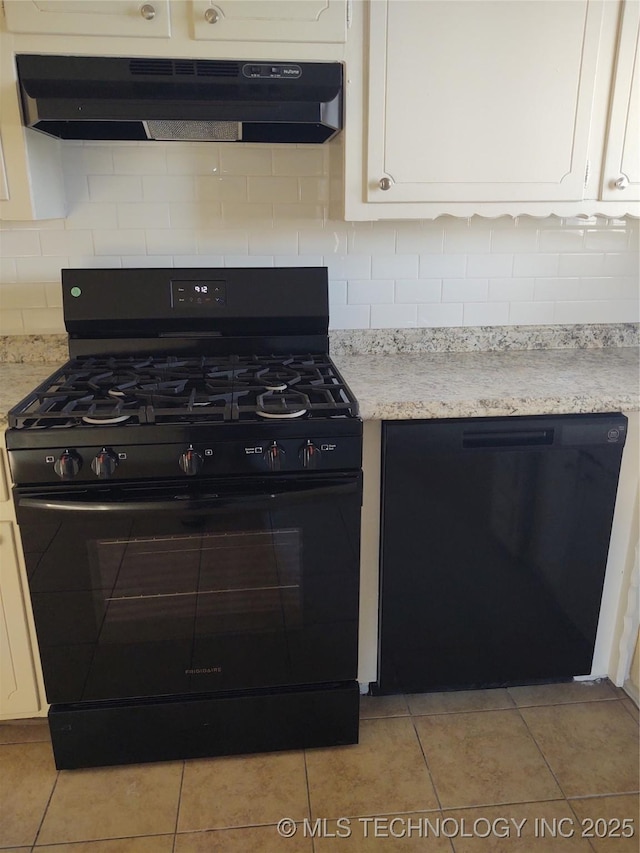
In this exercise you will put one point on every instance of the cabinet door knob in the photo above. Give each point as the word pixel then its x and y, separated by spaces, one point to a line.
pixel 385 184
pixel 148 12
pixel 622 183
pixel 211 16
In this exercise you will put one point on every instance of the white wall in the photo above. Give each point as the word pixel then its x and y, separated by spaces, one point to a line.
pixel 177 204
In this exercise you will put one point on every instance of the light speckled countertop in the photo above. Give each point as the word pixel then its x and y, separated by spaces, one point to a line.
pixel 17 380
pixel 464 384
pixel 452 384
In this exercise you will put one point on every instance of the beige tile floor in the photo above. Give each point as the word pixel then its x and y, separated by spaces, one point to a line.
pixel 526 770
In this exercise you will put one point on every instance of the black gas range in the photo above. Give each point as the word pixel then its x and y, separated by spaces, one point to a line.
pixel 188 491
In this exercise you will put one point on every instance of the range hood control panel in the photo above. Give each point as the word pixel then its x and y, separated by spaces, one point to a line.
pixel 272 71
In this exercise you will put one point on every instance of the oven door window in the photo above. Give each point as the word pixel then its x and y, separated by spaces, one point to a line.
pixel 166 600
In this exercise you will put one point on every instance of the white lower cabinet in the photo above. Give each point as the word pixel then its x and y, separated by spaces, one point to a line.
pixel 20 678
pixel 18 686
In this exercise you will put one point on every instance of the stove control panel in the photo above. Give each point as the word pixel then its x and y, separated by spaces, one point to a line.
pixel 113 463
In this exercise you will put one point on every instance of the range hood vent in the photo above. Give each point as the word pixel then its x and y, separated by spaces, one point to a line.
pixel 111 98
pixel 184 67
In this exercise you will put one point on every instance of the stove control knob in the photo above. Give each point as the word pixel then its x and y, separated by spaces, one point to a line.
pixel 274 457
pixel 310 455
pixel 191 462
pixel 68 464
pixel 105 464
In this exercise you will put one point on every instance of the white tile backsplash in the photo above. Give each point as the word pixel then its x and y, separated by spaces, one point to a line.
pixel 350 316
pixel 394 316
pixel 143 215
pixel 443 266
pixel 486 314
pixel 416 237
pixel 19 244
pixel 239 160
pixel 556 289
pixel 66 243
pixel 465 290
pixel 528 263
pixel 116 188
pixel 480 266
pixel 146 160
pixel 38 269
pixel 270 189
pixel 511 289
pixel 112 241
pixel 171 241
pixel 370 292
pixel 418 290
pixel 531 313
pixel 394 266
pixel 207 204
pixel 440 315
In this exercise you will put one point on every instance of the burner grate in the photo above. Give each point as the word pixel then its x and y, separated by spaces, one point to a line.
pixel 191 389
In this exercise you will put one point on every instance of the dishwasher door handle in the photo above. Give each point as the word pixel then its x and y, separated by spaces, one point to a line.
pixel 508 438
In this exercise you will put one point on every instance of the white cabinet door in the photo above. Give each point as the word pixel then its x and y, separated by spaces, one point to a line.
pixel 4 186
pixel 18 690
pixel 480 100
pixel 270 20
pixel 89 17
pixel 621 173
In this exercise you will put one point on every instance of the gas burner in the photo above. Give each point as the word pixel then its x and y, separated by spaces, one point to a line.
pixel 100 412
pixel 106 421
pixel 292 404
pixel 277 378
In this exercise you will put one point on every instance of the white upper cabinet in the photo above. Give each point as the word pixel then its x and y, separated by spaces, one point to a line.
pixel 485 107
pixel 477 100
pixel 270 20
pixel 211 20
pixel 621 173
pixel 89 17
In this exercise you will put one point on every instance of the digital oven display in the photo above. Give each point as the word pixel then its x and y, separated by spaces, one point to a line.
pixel 198 295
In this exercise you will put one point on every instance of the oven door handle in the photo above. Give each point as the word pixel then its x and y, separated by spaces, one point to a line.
pixel 206 503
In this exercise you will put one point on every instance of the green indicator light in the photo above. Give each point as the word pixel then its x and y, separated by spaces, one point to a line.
pixel 75 291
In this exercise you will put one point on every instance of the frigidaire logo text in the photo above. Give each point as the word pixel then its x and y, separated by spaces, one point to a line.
pixel 204 671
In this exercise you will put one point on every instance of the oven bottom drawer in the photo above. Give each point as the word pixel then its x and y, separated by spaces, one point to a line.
pixel 98 734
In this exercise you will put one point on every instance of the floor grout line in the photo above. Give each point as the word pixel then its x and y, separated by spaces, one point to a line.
pixel 577 818
pixel 544 757
pixel 46 808
pixel 175 828
pixel 306 777
pixel 431 779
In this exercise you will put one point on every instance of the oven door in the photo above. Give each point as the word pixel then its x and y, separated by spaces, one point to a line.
pixel 155 590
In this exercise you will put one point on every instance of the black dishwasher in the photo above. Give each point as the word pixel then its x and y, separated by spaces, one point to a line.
pixel 495 533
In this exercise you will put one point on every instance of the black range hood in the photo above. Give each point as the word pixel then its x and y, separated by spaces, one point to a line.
pixel 87 97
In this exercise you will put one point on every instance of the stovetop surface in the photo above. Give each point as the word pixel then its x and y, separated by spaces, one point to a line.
pixel 168 389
